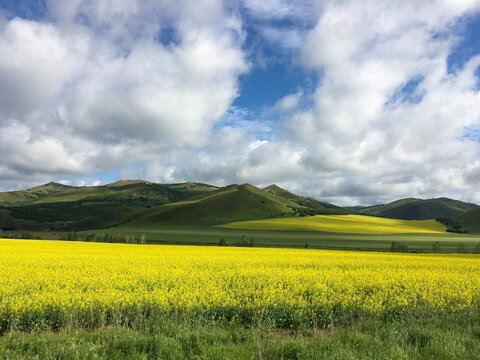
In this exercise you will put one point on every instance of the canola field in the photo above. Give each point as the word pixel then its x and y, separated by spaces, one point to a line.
pixel 55 284
pixel 352 224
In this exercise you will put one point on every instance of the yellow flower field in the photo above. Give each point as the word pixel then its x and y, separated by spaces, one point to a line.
pixel 353 224
pixel 55 283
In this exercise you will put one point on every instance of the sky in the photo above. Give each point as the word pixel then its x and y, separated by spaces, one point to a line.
pixel 355 102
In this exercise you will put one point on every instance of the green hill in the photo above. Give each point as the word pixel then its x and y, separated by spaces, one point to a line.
pixel 470 221
pixel 59 206
pixel 232 203
pixel 235 203
pixel 137 191
pixel 23 197
pixel 417 209
pixel 306 206
pixel 139 203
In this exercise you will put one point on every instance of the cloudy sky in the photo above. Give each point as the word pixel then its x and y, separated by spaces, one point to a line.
pixel 349 101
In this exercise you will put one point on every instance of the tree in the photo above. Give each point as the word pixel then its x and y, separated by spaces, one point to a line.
pixel 461 249
pixel 242 241
pixel 221 242
pixel 72 236
pixel 477 249
pixel 436 247
pixel 397 247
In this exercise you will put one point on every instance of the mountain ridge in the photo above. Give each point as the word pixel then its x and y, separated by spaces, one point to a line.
pixel 144 203
pixel 420 209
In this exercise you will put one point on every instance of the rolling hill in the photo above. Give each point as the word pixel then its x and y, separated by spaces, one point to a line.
pixel 131 191
pixel 138 203
pixel 418 209
pixel 306 206
pixel 30 196
pixel 58 206
pixel 142 203
pixel 235 203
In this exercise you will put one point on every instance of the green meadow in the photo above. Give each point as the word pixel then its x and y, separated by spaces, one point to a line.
pixel 203 235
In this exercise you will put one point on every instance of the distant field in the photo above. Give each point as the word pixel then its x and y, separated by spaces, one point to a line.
pixel 351 224
pixel 203 235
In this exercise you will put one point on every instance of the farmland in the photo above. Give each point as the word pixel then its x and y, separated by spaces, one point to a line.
pixel 59 285
pixel 277 288
pixel 353 224
pixel 196 235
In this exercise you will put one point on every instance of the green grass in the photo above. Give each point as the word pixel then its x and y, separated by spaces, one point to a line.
pixel 357 224
pixel 203 235
pixel 447 337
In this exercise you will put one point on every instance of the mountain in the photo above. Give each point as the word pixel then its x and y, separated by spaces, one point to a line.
pixel 142 203
pixel 306 206
pixel 32 195
pixel 235 203
pixel 124 190
pixel 60 206
pixel 418 209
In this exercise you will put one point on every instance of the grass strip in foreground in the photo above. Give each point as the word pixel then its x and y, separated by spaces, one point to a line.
pixel 440 338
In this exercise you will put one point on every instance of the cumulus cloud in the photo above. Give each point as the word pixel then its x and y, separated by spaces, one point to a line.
pixel 367 52
pixel 93 85
pixel 387 118
pixel 37 63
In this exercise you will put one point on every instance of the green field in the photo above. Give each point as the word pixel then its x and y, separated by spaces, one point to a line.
pixel 295 239
pixel 352 224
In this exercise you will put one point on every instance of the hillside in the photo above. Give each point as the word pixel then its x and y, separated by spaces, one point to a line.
pixel 470 221
pixel 124 190
pixel 139 203
pixel 23 197
pixel 306 206
pixel 231 203
pixel 8 222
pixel 417 209
pixel 58 206
pixel 142 203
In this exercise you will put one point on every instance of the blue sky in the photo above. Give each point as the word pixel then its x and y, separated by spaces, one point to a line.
pixel 357 103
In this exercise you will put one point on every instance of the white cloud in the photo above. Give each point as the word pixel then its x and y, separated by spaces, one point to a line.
pixel 36 65
pixel 280 9
pixel 111 94
pixel 95 88
pixel 367 51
